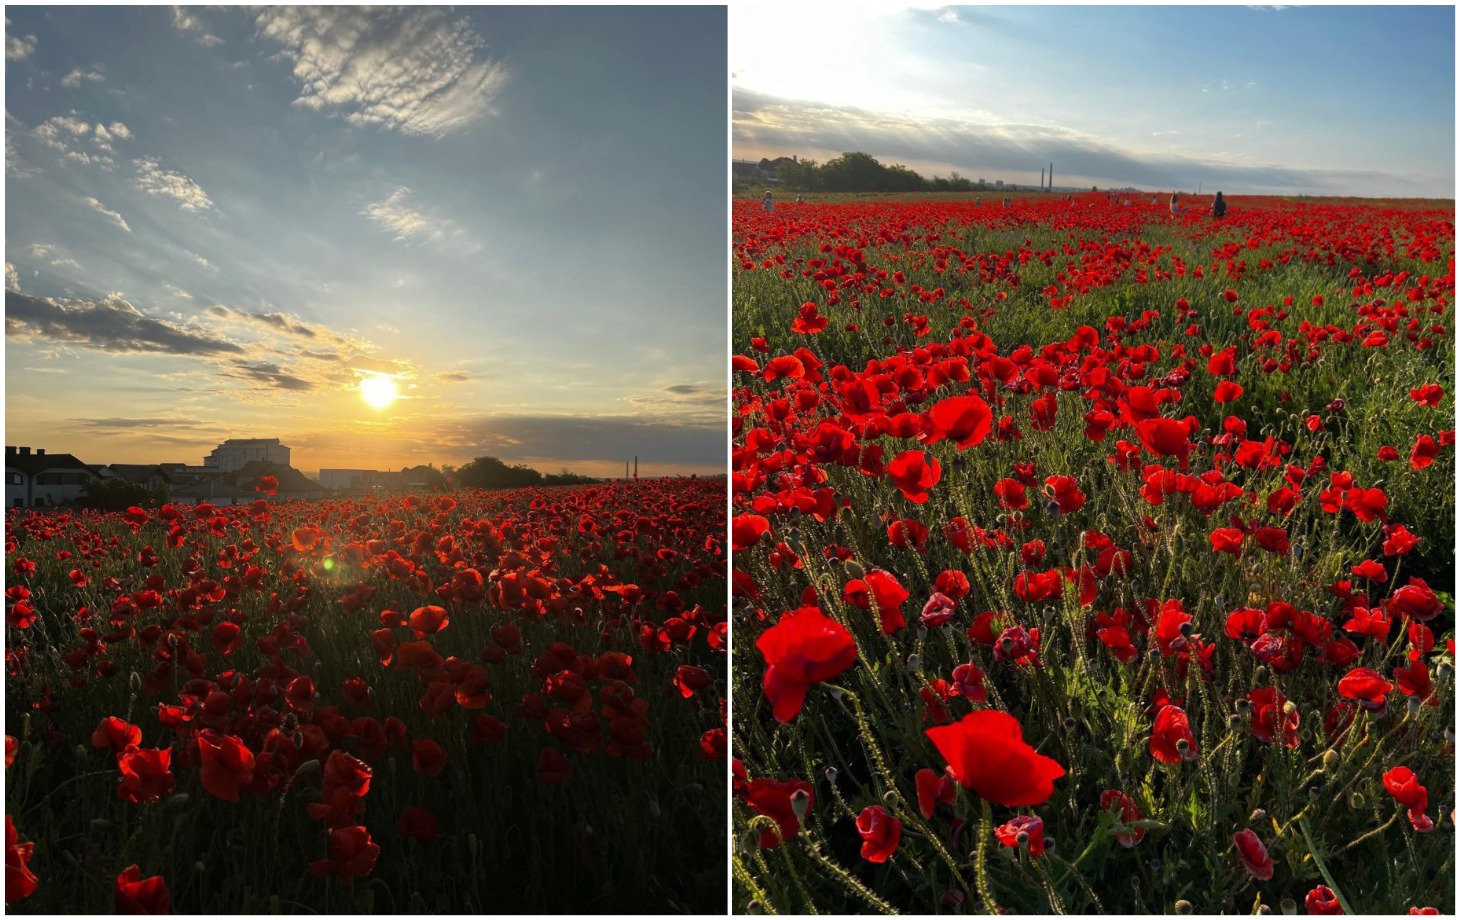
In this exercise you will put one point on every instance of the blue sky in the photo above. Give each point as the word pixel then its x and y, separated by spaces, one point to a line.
pixel 1331 100
pixel 220 222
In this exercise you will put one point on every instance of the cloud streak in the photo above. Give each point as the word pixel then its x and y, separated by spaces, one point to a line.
pixel 154 179
pixel 405 221
pixel 768 125
pixel 416 70
pixel 110 324
pixel 106 212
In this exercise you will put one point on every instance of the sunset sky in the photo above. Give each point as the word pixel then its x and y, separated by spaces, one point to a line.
pixel 1350 100
pixel 219 223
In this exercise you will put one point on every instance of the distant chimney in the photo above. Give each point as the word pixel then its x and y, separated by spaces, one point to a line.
pixel 40 451
pixel 25 451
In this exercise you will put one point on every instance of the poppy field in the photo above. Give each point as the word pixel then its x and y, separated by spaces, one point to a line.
pixel 1091 558
pixel 474 702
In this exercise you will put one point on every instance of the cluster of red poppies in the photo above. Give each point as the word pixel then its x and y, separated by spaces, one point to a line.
pixel 913 425
pixel 215 615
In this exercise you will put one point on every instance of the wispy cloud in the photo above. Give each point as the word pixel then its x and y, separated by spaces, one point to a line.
pixel 405 221
pixel 769 125
pixel 102 209
pixel 78 76
pixel 414 70
pixel 154 179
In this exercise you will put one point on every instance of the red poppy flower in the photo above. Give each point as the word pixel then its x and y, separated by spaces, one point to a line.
pixel 1415 600
pixel 1322 900
pixel 880 832
pixel 428 757
pixel 116 734
pixel 352 855
pixel 987 753
pixel 746 530
pixel 1024 830
pixel 914 472
pixel 419 824
pixel 20 882
pixel 1254 855
pixel 1270 715
pixel 137 895
pixel 1171 737
pixel 426 621
pixel 1366 686
pixel 145 775
pixel 225 764
pixel 805 647
pixel 1112 799
pixel 965 420
pixel 780 802
pixel 1405 787
pixel 933 788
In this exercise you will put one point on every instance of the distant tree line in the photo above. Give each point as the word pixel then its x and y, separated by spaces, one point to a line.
pixel 861 172
pixel 491 473
pixel 119 495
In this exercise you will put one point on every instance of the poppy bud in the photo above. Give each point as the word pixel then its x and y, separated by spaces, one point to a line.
pixel 1289 906
pixel 1264 909
pixel 831 775
pixel 1289 707
pixel 1186 629
pixel 1069 723
pixel 1135 881
pixel 1244 704
pixel 1023 840
pixel 1154 654
pixel 135 680
pixel 1234 721
pixel 1261 674
pixel 800 801
pixel 854 568
pixel 915 662
pixel 1412 705
pixel 753 907
pixel 922 633
pixel 1049 843
pixel 1183 907
pixel 1049 614
pixel 1330 760
pixel 1443 671
pixel 80 751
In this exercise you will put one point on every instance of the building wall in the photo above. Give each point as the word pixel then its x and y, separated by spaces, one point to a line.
pixel 15 489
pixel 347 479
pixel 235 453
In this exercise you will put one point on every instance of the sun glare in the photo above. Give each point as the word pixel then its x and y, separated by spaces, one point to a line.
pixel 378 390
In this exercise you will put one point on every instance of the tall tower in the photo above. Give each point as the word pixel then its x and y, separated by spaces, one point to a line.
pixel 636 466
pixel 1041 178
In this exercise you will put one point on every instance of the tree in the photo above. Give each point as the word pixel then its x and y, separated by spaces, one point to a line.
pixel 118 495
pixel 491 473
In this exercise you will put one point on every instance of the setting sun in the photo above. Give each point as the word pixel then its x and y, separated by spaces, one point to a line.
pixel 379 390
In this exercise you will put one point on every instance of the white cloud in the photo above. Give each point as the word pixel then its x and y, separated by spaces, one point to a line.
pixel 18 48
pixel 199 259
pixel 76 77
pixel 12 278
pixel 405 221
pixel 185 22
pixel 101 209
pixel 413 70
pixel 70 135
pixel 154 179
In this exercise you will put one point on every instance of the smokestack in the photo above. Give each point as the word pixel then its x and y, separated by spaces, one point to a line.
pixel 1041 178
pixel 1051 175
pixel 626 469
pixel 636 466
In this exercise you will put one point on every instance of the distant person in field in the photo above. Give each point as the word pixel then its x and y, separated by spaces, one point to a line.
pixel 1006 202
pixel 1219 206
pixel 769 203
pixel 1175 202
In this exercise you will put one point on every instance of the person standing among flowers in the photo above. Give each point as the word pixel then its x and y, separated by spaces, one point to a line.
pixel 1219 206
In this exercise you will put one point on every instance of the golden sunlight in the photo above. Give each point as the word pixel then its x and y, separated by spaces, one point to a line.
pixel 378 390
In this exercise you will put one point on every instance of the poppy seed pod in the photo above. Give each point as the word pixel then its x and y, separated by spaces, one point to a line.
pixel 1289 906
pixel 1183 907
pixel 800 802
pixel 831 774
pixel 915 662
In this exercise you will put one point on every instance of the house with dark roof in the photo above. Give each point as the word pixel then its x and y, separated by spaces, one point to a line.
pixel 241 485
pixel 36 479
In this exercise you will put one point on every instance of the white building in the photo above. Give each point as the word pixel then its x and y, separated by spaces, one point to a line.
pixel 41 480
pixel 234 453
pixel 348 479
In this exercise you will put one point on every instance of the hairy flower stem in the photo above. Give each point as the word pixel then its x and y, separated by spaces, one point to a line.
pixel 980 869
